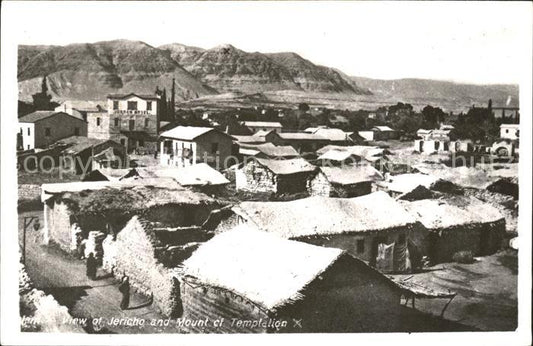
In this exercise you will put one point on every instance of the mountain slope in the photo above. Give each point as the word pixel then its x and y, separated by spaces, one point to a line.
pixel 442 93
pixel 90 71
pixel 229 69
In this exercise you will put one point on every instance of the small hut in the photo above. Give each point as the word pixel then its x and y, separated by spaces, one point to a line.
pixel 458 224
pixel 236 277
pixel 345 181
pixel 276 176
pixel 361 226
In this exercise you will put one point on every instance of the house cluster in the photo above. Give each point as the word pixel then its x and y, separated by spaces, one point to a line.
pixel 200 255
pixel 318 256
pixel 444 140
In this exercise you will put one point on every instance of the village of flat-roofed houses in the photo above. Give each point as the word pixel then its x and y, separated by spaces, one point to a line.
pixel 267 218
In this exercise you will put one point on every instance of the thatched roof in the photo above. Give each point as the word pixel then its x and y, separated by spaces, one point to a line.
pixel 450 212
pixel 261 267
pixel 130 197
pixel 347 175
pixel 325 216
pixel 404 183
pixel 285 167
pixel 200 174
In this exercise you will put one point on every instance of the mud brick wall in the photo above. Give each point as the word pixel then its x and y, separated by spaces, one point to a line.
pixel 134 254
pixel 292 183
pixel 353 190
pixel 203 301
pixel 481 239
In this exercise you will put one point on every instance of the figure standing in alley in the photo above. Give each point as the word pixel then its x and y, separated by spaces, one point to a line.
pixel 91 267
pixel 124 288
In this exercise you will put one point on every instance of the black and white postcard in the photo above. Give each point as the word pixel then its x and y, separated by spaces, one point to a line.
pixel 329 171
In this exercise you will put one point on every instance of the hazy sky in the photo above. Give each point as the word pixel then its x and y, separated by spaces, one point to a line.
pixel 467 42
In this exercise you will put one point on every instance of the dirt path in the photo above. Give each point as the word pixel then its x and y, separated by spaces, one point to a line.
pixel 64 278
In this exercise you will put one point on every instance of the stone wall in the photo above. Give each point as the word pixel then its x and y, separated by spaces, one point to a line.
pixel 135 254
pixel 256 178
pixel 319 186
pixel 203 301
pixel 58 225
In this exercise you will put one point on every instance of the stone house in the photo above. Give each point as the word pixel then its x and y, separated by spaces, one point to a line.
pixel 40 129
pixel 131 120
pixel 276 176
pixel 361 226
pixel 458 224
pixel 80 108
pixel 235 277
pixel 188 145
pixel 345 181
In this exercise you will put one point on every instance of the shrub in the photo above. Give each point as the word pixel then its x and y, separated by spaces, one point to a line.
pixel 463 257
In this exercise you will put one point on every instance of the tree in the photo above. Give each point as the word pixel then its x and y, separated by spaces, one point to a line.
pixel 432 117
pixel 304 107
pixel 41 100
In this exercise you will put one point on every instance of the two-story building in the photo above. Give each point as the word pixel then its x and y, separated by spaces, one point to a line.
pixel 42 128
pixel 80 108
pixel 187 145
pixel 131 119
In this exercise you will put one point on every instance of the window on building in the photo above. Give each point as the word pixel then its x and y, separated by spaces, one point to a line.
pixel 132 105
pixel 115 105
pixel 98 120
pixel 116 122
pixel 21 131
pixel 360 245
pixel 132 124
pixel 149 105
pixel 506 130
pixel 214 148
pixel 141 142
pixel 76 131
pixel 146 122
pixel 47 131
pixel 28 131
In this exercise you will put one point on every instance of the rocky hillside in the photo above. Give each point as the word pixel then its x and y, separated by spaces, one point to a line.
pixel 447 94
pixel 90 71
pixel 229 69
